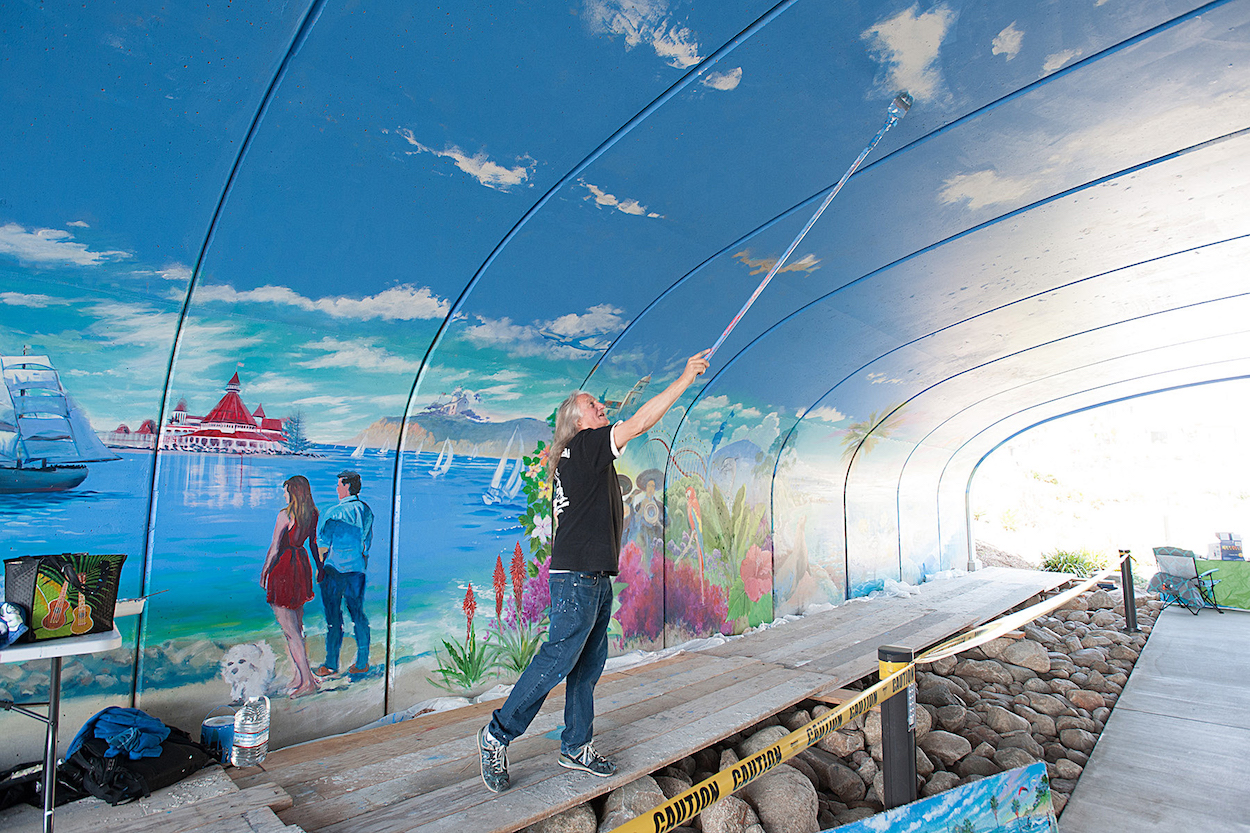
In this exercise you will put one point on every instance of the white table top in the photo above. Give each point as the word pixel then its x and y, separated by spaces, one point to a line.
pixel 66 646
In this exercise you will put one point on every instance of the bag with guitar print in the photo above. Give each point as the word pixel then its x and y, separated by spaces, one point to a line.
pixel 70 594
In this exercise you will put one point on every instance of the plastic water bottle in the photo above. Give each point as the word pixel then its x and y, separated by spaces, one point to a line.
pixel 251 732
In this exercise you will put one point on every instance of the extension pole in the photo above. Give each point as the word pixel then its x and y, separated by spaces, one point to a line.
pixel 897 109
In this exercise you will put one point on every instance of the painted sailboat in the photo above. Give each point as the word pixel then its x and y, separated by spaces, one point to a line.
pixel 359 452
pixel 45 439
pixel 498 492
pixel 443 463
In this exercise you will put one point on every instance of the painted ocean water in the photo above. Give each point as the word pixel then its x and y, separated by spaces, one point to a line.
pixel 214 518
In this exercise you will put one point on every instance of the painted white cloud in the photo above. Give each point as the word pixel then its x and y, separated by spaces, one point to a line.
pixel 1008 41
pixel 598 320
pixel 33 300
pixel 628 206
pixel 77 224
pixel 359 354
pixel 47 246
pixel 907 45
pixel 723 80
pixel 826 413
pixel 984 188
pixel 570 336
pixel 883 379
pixel 1054 62
pixel 644 22
pixel 398 303
pixel 486 171
pixel 176 273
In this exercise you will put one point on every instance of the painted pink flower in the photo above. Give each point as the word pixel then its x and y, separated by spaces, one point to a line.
pixel 757 573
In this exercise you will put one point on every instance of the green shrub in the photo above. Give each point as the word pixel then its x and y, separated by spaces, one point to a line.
pixel 1081 562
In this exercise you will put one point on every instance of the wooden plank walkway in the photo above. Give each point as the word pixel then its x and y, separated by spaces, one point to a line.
pixel 1174 749
pixel 422 774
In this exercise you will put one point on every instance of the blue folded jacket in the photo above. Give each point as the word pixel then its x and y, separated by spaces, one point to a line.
pixel 132 731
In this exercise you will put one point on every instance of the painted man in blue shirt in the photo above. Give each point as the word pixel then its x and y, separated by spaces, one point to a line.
pixel 343 536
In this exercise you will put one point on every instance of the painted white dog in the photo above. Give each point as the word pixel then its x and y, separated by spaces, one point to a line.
pixel 249 670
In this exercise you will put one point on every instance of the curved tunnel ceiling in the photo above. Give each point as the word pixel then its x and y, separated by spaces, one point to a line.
pixel 369 205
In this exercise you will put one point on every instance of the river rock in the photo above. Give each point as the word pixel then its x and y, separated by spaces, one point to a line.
pixel 940 782
pixel 1003 721
pixel 630 801
pixel 1088 700
pixel 988 671
pixel 835 776
pixel 579 819
pixel 1010 757
pixel 843 743
pixel 796 719
pixel 952 718
pixel 671 786
pixel 784 800
pixel 1024 741
pixel 945 746
pixel 729 815
pixel 1070 770
pixel 762 739
pixel 1100 600
pixel 1027 654
pixel 976 765
pixel 1078 739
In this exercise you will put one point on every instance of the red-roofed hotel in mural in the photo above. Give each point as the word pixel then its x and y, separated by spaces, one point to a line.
pixel 228 427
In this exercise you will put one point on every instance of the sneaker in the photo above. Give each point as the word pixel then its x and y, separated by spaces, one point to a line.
pixel 588 760
pixel 494 759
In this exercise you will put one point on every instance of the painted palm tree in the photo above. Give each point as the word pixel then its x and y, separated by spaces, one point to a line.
pixel 868 432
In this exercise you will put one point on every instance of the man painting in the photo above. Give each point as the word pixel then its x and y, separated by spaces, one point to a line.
pixel 588 511
pixel 344 536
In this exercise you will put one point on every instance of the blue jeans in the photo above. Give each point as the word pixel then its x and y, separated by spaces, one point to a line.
pixel 576 649
pixel 337 588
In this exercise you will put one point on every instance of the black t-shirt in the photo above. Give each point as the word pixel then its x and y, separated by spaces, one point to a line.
pixel 586 500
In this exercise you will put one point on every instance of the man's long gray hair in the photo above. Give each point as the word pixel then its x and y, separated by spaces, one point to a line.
pixel 567 415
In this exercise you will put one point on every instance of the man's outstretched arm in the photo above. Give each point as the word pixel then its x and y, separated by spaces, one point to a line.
pixel 653 410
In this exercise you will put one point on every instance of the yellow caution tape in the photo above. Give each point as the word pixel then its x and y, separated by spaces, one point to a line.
pixel 993 630
pixel 685 806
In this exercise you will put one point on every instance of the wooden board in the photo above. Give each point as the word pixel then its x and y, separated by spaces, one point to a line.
pixel 645 719
pixel 422 774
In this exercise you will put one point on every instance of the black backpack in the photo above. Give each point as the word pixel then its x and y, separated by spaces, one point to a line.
pixel 120 779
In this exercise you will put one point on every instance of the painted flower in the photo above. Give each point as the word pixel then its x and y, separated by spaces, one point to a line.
pixel 757 573
pixel 542 528
pixel 470 607
pixel 500 584
pixel 518 574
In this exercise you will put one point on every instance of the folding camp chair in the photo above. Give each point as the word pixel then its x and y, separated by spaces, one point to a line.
pixel 1178 581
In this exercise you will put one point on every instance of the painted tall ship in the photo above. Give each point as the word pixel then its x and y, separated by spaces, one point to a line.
pixel 45 439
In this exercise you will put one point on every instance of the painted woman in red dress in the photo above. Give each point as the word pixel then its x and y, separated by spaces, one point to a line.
pixel 287 576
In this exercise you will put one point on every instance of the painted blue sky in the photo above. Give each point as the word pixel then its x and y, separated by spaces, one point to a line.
pixel 483 172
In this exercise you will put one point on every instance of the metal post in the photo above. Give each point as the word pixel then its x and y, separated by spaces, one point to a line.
pixel 49 752
pixel 1126 588
pixel 898 731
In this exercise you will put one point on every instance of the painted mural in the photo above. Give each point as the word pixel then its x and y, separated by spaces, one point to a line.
pixel 246 248
pixel 1016 801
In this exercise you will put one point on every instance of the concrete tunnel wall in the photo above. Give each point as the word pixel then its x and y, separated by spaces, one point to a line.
pixel 257 242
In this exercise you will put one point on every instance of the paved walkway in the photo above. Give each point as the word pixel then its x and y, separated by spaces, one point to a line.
pixel 1175 753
